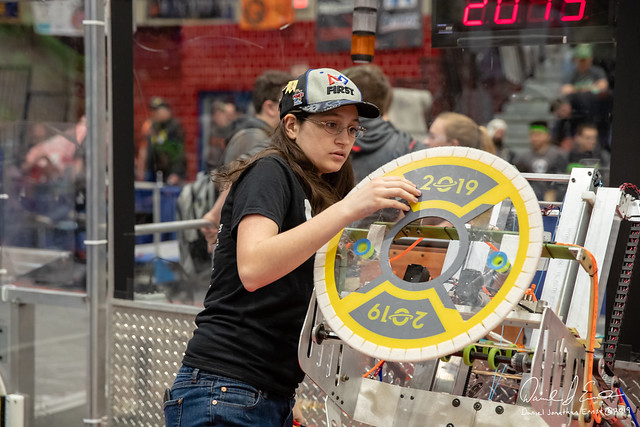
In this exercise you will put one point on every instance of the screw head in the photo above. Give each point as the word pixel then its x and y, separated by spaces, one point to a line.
pixel 499 410
pixel 477 406
pixel 455 403
pixel 450 425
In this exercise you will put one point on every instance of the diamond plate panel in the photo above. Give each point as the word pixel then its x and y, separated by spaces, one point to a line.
pixel 146 352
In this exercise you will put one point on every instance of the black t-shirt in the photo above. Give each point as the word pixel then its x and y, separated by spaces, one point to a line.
pixel 253 336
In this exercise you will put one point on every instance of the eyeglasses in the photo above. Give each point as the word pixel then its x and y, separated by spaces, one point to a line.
pixel 334 128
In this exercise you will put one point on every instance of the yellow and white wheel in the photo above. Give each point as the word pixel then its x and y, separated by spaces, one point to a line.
pixel 377 312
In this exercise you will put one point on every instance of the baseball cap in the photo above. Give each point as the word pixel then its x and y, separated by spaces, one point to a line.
pixel 157 102
pixel 583 51
pixel 323 89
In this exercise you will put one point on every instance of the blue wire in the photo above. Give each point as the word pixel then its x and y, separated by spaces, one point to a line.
pixel 503 368
pixel 494 376
pixel 499 378
pixel 521 329
pixel 633 415
pixel 492 383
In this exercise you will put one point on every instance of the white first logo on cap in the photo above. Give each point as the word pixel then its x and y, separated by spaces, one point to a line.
pixel 338 89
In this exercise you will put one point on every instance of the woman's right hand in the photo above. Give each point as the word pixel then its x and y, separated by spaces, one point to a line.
pixel 381 193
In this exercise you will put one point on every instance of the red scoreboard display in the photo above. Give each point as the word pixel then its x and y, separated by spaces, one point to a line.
pixel 462 23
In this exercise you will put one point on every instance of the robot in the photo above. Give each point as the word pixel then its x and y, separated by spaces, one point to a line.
pixel 479 307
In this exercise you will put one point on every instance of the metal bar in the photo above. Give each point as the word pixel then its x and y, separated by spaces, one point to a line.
pixel 413 232
pixel 600 241
pixel 572 228
pixel 625 129
pixel 22 357
pixel 21 295
pixel 157 214
pixel 121 151
pixel 95 83
pixel 518 318
pixel 145 185
pixel 158 306
pixel 169 226
pixel 551 177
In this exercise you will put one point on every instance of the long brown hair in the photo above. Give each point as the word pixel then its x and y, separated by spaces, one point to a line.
pixel 321 190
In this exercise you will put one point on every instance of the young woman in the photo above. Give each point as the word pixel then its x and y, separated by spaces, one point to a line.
pixel 241 366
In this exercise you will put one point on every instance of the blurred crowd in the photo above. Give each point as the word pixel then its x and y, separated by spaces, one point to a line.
pixel 574 133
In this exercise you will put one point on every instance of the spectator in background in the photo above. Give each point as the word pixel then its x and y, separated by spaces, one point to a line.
pixel 544 158
pixel 54 191
pixel 497 130
pixel 586 151
pixel 587 89
pixel 140 161
pixel 409 111
pixel 222 116
pixel 165 145
pixel 563 126
pixel 62 154
pixel 586 77
pixel 252 135
pixel 458 130
pixel 382 142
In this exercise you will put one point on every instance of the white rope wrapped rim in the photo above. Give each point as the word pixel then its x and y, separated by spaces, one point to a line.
pixel 380 314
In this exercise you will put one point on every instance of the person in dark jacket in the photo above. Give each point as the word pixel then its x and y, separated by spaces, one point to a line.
pixel 165 145
pixel 249 135
pixel 382 142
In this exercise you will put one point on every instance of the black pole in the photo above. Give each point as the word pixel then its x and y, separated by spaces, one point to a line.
pixel 625 149
pixel 121 170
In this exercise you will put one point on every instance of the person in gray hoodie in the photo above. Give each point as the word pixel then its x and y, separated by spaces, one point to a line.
pixel 382 142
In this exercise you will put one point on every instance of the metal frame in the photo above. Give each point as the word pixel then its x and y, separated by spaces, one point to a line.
pixel 609 207
pixel 555 377
pixel 17 324
pixel 572 228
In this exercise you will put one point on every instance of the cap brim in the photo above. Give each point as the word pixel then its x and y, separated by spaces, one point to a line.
pixel 365 109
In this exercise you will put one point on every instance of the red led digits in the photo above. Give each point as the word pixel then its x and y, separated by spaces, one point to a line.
pixel 467 10
pixel 514 13
pixel 532 14
pixel 506 11
pixel 580 14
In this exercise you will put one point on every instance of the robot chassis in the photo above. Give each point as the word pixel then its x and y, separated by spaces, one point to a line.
pixel 461 339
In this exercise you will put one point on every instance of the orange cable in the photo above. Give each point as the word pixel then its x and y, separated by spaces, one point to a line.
pixel 403 253
pixel 492 246
pixel 592 331
pixel 375 368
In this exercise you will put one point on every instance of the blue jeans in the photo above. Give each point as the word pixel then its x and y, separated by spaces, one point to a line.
pixel 202 399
